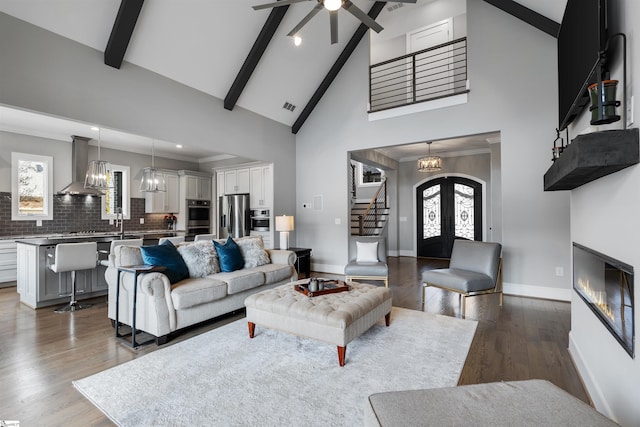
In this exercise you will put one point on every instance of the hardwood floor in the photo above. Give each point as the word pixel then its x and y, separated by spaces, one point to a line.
pixel 41 352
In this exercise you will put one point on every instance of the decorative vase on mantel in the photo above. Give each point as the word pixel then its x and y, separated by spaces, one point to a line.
pixel 603 102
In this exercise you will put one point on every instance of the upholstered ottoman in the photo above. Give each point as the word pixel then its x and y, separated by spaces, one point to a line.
pixel 336 318
pixel 517 403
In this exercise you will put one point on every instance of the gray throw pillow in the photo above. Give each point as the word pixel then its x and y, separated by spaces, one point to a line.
pixel 201 258
pixel 252 249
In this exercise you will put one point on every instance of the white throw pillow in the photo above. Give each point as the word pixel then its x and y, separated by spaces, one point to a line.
pixel 253 252
pixel 200 257
pixel 367 251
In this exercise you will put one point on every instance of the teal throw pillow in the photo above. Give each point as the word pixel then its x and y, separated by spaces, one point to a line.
pixel 229 255
pixel 166 255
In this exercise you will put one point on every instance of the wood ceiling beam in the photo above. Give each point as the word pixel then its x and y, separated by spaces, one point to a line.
pixel 336 67
pixel 527 15
pixel 121 32
pixel 251 62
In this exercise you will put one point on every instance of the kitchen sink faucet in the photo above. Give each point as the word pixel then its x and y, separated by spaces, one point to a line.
pixel 120 222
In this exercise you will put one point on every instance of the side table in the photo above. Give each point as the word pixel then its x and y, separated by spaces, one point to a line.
pixel 136 270
pixel 303 263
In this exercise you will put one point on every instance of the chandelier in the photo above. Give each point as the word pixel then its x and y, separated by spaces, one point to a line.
pixel 98 172
pixel 429 163
pixel 152 179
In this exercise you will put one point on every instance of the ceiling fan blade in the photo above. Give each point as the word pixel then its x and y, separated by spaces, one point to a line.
pixel 306 19
pixel 333 21
pixel 276 4
pixel 358 13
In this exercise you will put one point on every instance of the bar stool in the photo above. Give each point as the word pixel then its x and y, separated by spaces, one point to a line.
pixel 204 237
pixel 174 240
pixel 114 243
pixel 72 257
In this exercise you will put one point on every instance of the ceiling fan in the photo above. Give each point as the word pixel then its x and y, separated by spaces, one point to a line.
pixel 332 6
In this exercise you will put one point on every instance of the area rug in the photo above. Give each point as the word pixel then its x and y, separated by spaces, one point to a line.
pixel 223 378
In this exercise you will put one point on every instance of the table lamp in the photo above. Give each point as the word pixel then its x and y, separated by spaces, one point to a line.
pixel 284 224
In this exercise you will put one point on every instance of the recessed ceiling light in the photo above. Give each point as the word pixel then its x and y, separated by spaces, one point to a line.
pixel 178 145
pixel 297 40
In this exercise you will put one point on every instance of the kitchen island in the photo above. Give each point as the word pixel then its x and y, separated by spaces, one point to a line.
pixel 38 286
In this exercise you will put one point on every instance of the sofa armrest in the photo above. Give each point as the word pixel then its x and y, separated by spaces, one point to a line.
pixel 282 256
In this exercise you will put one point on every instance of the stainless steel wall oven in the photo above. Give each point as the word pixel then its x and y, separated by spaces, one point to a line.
pixel 198 217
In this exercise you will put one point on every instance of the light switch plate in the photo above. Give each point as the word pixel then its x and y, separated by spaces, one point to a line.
pixel 338 221
pixel 141 220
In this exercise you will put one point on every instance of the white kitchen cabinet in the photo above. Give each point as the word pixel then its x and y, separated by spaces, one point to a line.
pixel 237 181
pixel 261 188
pixel 266 238
pixel 198 187
pixel 220 184
pixel 164 201
pixel 8 261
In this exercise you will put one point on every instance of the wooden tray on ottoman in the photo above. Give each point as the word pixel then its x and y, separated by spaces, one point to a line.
pixel 334 286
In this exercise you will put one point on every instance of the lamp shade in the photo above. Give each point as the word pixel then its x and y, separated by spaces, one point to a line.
pixel 284 223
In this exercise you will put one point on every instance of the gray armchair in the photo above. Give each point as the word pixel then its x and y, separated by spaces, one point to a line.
pixel 475 269
pixel 368 263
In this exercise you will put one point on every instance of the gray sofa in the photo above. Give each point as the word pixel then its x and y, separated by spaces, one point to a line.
pixel 163 308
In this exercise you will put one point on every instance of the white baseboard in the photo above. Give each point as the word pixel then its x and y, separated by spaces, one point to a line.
pixel 595 393
pixel 536 291
pixel 406 253
pixel 327 268
pixel 392 253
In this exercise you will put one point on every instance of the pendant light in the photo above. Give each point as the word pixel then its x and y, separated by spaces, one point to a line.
pixel 98 172
pixel 152 180
pixel 429 163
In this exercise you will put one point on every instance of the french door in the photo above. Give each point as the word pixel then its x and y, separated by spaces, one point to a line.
pixel 448 208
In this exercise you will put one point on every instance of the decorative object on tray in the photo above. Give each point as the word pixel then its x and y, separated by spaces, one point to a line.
pixel 316 286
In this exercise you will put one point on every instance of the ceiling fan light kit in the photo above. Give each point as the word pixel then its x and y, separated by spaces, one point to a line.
pixel 332 6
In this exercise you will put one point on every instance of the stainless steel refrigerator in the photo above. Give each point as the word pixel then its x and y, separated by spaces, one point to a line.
pixel 233 215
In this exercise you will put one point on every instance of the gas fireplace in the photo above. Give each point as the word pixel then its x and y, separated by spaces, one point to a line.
pixel 606 286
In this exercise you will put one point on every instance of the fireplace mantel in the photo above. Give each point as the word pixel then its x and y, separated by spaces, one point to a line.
pixel 592 156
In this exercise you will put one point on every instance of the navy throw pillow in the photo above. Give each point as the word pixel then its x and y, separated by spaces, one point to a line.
pixel 229 255
pixel 166 255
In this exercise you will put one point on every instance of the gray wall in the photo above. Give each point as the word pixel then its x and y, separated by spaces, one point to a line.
pixel 44 72
pixel 511 92
pixel 604 217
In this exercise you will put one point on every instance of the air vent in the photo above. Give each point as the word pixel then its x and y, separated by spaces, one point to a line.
pixel 289 106
pixel 394 6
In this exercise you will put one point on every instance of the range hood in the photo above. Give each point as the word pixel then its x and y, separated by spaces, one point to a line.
pixel 79 162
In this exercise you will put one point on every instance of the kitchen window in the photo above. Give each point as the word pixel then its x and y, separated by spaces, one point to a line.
pixel 31 187
pixel 117 196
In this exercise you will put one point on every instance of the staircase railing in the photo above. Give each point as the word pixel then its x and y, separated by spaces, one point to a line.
pixel 368 221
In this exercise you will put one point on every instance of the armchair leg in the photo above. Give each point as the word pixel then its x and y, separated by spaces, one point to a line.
pixel 463 305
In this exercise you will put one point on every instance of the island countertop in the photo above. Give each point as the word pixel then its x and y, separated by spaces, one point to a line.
pixel 54 239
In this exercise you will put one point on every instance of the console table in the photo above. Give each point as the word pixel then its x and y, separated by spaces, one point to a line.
pixel 136 270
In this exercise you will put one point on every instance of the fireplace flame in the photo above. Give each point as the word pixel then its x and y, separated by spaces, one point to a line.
pixel 599 298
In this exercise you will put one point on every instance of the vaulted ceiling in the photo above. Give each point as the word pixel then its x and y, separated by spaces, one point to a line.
pixel 204 43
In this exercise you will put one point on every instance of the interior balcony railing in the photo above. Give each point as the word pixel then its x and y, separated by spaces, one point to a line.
pixel 436 72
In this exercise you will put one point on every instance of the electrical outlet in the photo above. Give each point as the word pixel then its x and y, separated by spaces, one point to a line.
pixel 338 221
pixel 559 271
pixel 141 220
pixel 38 223
pixel 111 221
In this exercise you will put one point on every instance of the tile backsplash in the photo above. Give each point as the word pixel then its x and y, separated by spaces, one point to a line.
pixel 75 213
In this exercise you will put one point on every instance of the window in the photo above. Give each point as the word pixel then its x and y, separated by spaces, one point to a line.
pixel 117 196
pixel 31 187
pixel 369 176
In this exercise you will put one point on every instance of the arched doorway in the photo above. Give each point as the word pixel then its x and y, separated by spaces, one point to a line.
pixel 447 208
